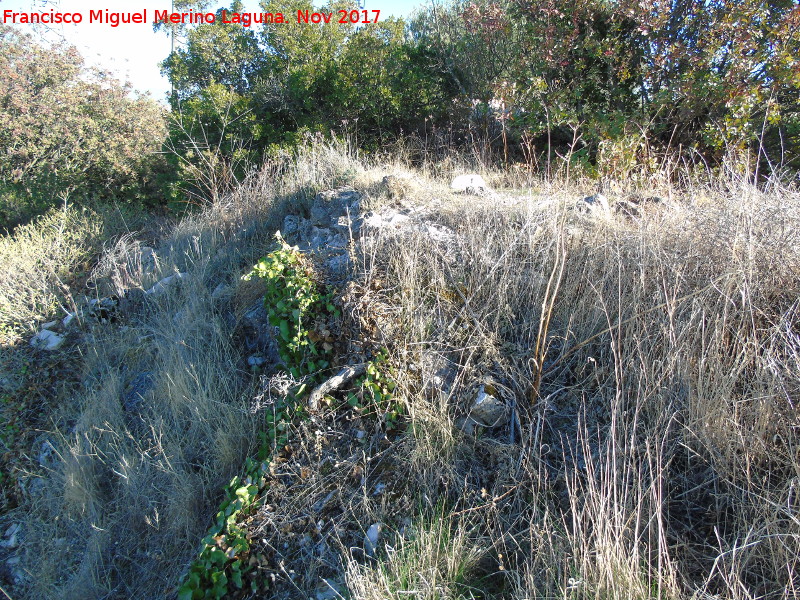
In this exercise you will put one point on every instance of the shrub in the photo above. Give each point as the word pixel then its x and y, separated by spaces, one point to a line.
pixel 68 131
pixel 38 258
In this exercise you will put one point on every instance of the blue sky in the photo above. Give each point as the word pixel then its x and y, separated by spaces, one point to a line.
pixel 133 51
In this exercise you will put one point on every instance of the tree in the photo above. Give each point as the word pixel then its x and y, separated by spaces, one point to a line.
pixel 67 131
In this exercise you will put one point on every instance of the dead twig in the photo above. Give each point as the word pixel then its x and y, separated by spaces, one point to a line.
pixel 334 383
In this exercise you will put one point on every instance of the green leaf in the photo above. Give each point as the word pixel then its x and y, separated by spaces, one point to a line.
pixel 284 327
pixel 185 592
pixel 236 577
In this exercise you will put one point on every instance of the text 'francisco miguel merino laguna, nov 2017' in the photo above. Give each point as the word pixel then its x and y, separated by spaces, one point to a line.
pixel 245 19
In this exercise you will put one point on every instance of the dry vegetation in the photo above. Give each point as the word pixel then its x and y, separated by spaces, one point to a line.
pixel 652 364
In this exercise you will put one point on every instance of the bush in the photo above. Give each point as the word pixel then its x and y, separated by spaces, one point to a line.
pixel 67 131
pixel 37 260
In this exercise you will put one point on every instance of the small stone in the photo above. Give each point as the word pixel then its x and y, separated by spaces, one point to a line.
pixel 47 340
pixel 256 361
pixel 259 334
pixel 329 590
pixel 10 537
pixel 339 266
pixel 488 410
pixel 471 183
pixel 162 285
pixel 291 225
pixel 220 292
pixel 593 204
pixel 466 425
pixel 372 537
pixel 67 321
pixel 330 205
pixel 50 325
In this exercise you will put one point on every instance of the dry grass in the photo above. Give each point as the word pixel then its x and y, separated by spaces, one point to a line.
pixel 657 450
pixel 37 258
pixel 163 418
pixel 653 453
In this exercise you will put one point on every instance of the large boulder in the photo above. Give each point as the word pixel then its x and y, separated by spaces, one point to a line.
pixel 330 205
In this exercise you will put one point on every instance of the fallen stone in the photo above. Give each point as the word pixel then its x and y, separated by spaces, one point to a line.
pixel 329 590
pixel 10 537
pixel 256 361
pixel 471 183
pixel 466 425
pixel 597 203
pixel 339 266
pixel 17 574
pixel 221 291
pixel 330 205
pixel 67 321
pixel 487 410
pixel 291 225
pixel 259 335
pixel 372 537
pixel 161 286
pixel 47 340
pixel 438 375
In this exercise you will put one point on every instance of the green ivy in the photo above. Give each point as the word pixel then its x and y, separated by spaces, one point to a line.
pixel 223 556
pixel 375 389
pixel 292 299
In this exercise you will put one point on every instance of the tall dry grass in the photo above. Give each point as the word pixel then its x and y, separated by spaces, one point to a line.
pixel 35 261
pixel 656 453
pixel 654 449
pixel 163 419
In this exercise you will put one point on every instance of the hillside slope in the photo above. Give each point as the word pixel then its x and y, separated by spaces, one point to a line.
pixel 575 402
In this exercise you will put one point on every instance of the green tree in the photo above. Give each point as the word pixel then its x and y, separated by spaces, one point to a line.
pixel 66 131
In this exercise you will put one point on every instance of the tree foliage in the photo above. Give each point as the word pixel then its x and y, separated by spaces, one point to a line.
pixel 66 131
pixel 597 79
